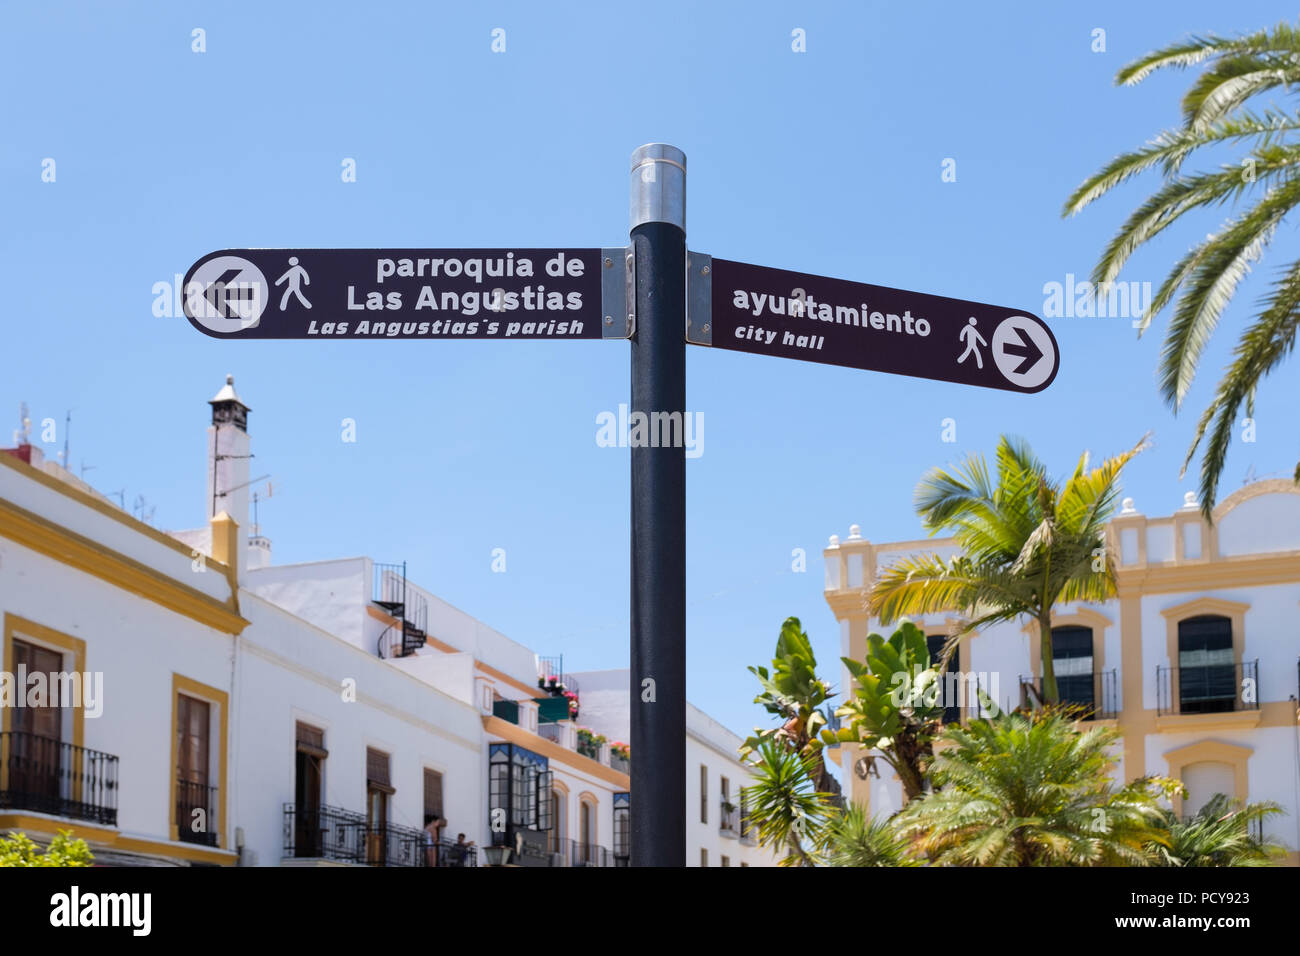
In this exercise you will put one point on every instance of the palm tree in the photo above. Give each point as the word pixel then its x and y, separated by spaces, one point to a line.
pixel 1027 542
pixel 1030 790
pixel 855 839
pixel 1219 835
pixel 1206 278
pixel 794 694
pixel 785 809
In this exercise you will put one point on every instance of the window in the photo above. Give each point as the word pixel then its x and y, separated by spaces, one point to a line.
pixel 432 794
pixel 949 685
pixel 704 794
pixel 726 823
pixel 200 715
pixel 378 790
pixel 1206 668
pixel 1203 780
pixel 586 830
pixel 726 861
pixel 35 758
pixel 622 821
pixel 519 791
pixel 309 764
pixel 704 857
pixel 744 864
pixel 559 816
pixel 195 805
pixel 1072 663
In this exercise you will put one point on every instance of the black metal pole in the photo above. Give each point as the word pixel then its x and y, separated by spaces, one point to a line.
pixel 657 816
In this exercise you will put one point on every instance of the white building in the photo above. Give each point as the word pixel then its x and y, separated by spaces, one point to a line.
pixel 1195 661
pixel 241 712
pixel 718 832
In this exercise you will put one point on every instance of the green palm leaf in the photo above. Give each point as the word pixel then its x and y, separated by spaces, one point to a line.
pixel 1204 281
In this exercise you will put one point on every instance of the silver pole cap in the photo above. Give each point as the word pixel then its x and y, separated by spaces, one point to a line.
pixel 658 185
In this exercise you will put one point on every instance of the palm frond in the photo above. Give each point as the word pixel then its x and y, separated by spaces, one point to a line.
pixel 1261 347
pixel 1224 262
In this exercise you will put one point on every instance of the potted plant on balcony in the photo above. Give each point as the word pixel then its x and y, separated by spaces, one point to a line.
pixel 621 750
pixel 573 704
pixel 589 743
pixel 728 809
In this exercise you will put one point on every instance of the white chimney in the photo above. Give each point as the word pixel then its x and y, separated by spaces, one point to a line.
pixel 228 462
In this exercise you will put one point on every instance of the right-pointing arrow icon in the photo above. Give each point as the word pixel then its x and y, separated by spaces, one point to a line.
pixel 1024 349
pixel 1024 352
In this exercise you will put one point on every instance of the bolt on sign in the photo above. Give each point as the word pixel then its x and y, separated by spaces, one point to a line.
pixel 732 305
pixel 410 294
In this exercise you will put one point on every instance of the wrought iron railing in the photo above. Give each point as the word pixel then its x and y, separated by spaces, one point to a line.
pixel 746 829
pixel 49 776
pixel 1207 689
pixel 326 833
pixel 727 817
pixel 548 667
pixel 1096 693
pixel 345 836
pixel 589 854
pixel 196 813
pixel 391 592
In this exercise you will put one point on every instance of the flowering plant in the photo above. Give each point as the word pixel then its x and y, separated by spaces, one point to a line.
pixel 573 702
pixel 621 750
pixel 590 737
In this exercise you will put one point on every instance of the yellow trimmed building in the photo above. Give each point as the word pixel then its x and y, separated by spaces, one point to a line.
pixel 1196 661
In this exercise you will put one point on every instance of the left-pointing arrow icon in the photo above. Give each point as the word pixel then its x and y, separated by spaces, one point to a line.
pixel 223 294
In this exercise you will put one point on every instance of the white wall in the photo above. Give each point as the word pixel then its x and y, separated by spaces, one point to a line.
pixel 289 670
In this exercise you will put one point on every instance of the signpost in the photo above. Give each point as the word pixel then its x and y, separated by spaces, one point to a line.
pixel 649 293
pixel 409 294
pixel 834 322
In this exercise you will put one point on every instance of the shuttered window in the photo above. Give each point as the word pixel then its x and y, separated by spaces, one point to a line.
pixel 311 740
pixel 432 793
pixel 377 774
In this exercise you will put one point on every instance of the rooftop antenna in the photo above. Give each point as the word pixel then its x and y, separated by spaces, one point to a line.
pixel 85 468
pixel 121 497
pixel 67 436
pixel 256 499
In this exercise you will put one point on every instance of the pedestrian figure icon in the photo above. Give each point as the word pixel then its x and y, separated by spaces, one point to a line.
pixel 293 275
pixel 968 335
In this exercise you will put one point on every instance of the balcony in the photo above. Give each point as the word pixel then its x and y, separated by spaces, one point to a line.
pixel 1095 692
pixel 344 836
pixel 727 818
pixel 49 776
pixel 577 853
pixel 196 820
pixel 1208 689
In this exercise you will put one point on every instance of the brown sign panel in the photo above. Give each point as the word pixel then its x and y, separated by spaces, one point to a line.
pixel 397 293
pixel 836 322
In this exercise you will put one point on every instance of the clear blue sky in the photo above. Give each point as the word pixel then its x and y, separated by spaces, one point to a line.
pixel 826 162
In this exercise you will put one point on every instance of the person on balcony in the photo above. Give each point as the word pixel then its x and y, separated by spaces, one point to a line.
pixel 433 825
